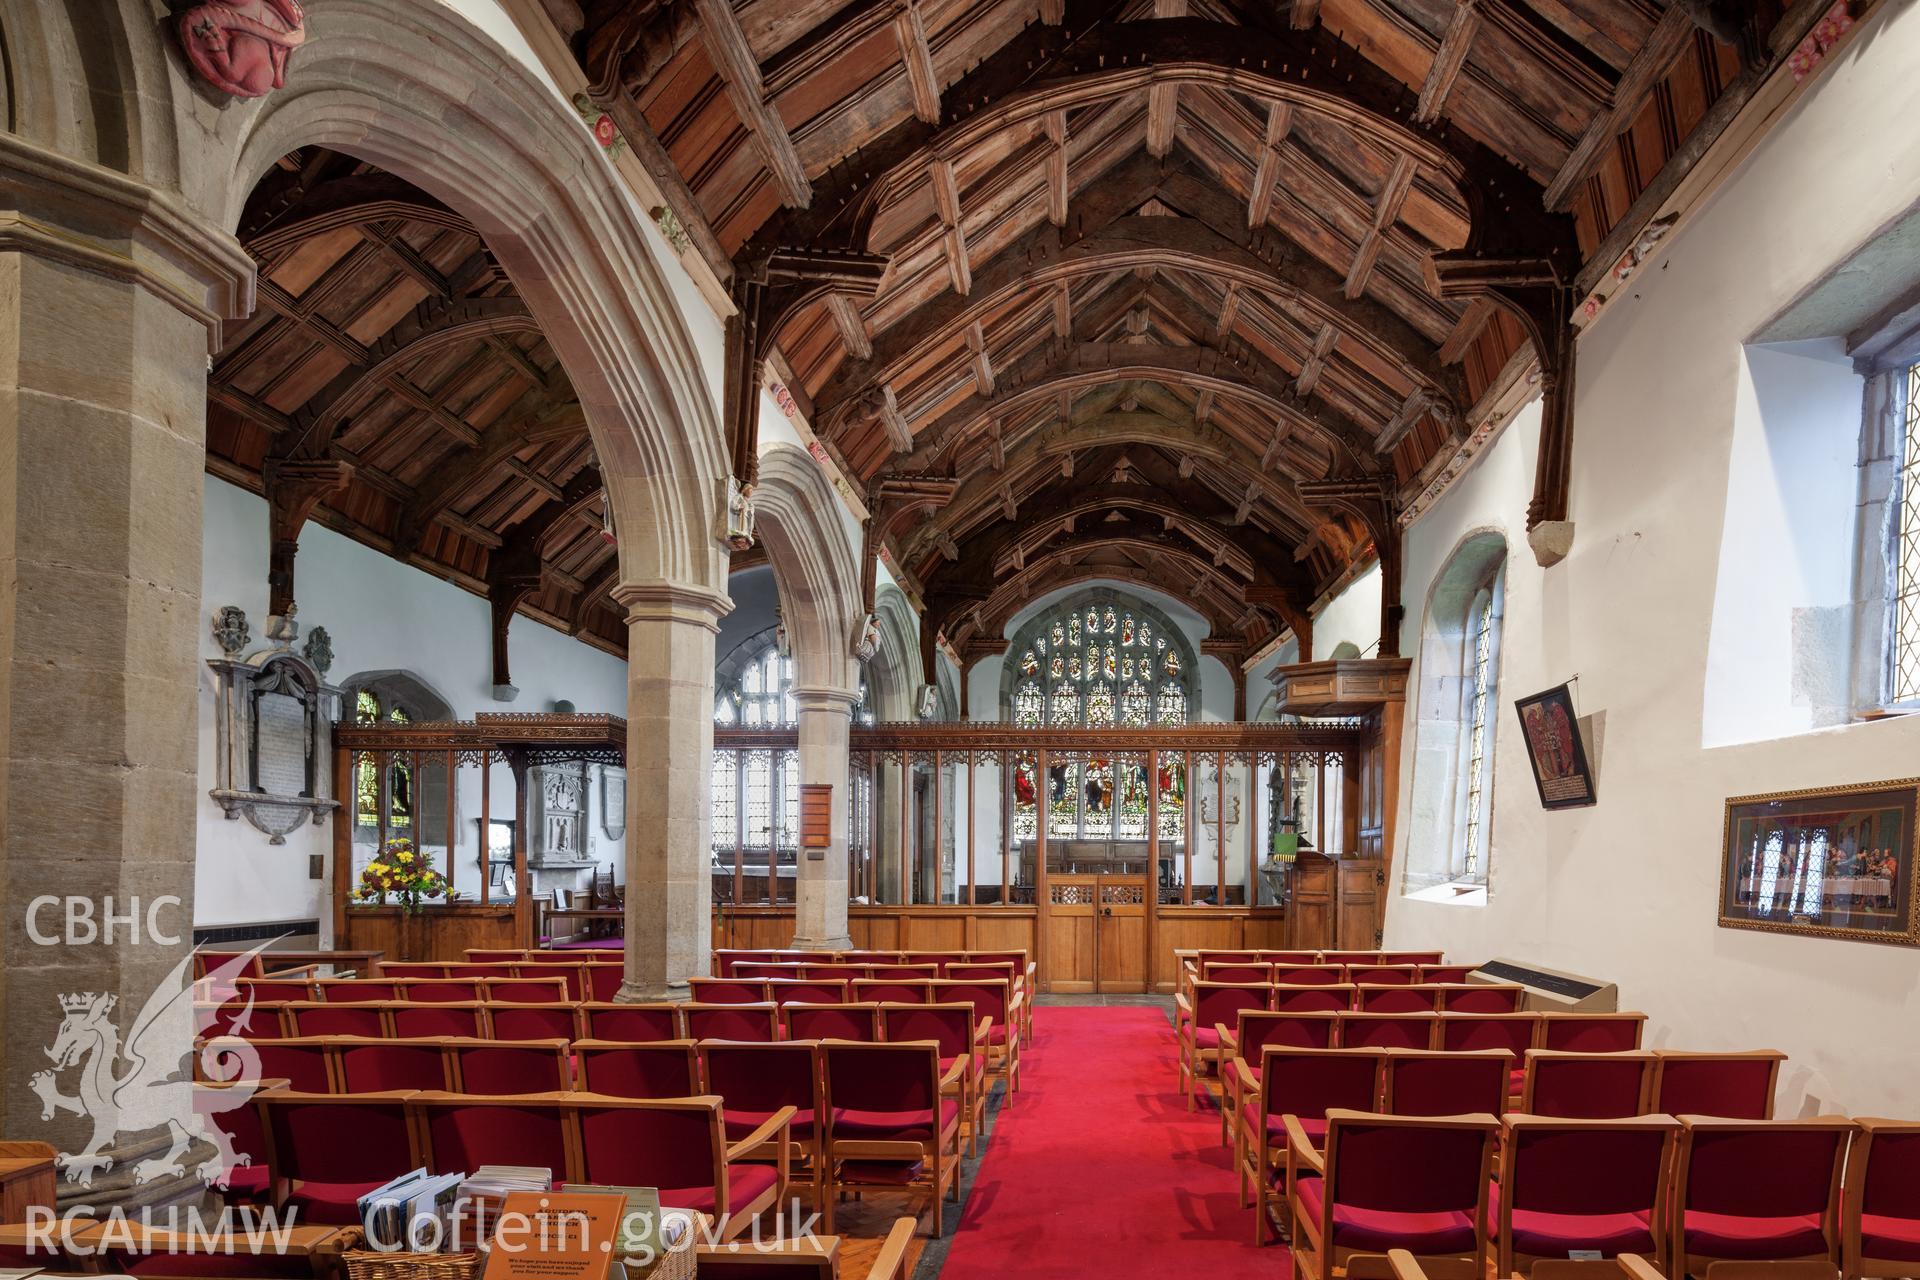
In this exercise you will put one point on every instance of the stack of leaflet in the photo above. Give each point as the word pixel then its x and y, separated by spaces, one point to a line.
pixel 486 1190
pixel 411 1213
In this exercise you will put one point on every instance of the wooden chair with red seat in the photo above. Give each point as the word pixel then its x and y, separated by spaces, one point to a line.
pixel 458 1133
pixel 1266 956
pixel 1514 1032
pixel 307 1018
pixel 1415 958
pixel 805 1258
pixel 999 1009
pixel 1370 998
pixel 488 970
pixel 1290 998
pixel 961 1033
pixel 807 991
pixel 228 1107
pixel 678 1146
pixel 731 1021
pixel 761 970
pixel 641 1069
pixel 1475 997
pixel 1248 1039
pixel 904 972
pixel 1301 1085
pixel 276 989
pixel 508 1068
pixel 1444 972
pixel 412 969
pixel 630 1022
pixel 1418 1183
pixel 888 1123
pixel 1436 1082
pixel 302 1061
pixel 889 991
pixel 1880 1225
pixel 603 979
pixel 407 1020
pixel 493 955
pixel 1241 973
pixel 1580 1186
pixel 532 1021
pixel 1024 972
pixel 1389 1030
pixel 442 990
pixel 1310 975
pixel 938 959
pixel 359 990
pixel 1346 957
pixel 237 1016
pixel 1592 1032
pixel 521 990
pixel 1587 1086
pixel 325 1151
pixel 725 958
pixel 1758 1190
pixel 757 1081
pixel 1197 1020
pixel 362 1065
pixel 728 990
pixel 1382 975
pixel 260 964
pixel 843 1021
pixel 1733 1086
pixel 132 1247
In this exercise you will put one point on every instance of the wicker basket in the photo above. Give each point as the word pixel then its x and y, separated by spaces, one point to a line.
pixel 372 1264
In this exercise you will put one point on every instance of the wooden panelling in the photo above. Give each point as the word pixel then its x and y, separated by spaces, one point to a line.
pixel 437 933
pixel 1213 928
pixel 1310 913
pixel 890 928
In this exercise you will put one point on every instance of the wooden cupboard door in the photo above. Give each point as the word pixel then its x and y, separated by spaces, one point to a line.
pixel 1072 934
pixel 1123 934
pixel 1359 914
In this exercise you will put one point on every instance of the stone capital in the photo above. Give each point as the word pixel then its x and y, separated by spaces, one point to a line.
pixel 95 219
pixel 663 601
pixel 824 699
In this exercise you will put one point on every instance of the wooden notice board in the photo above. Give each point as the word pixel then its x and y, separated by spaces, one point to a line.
pixel 816 818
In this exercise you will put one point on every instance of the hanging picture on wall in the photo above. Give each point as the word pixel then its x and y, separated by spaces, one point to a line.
pixel 1836 863
pixel 1559 758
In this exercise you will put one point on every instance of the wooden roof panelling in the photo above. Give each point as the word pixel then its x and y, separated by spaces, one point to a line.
pixel 389 340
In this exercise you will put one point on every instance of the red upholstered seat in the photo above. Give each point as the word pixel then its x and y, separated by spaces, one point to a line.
pixel 744 1182
pixel 1724 1235
pixel 1205 1037
pixel 1885 1237
pixel 1554 1235
pixel 1378 1230
pixel 893 1126
pixel 331 1204
pixel 739 1123
pixel 463 1135
pixel 1315 1127
pixel 265 1264
pixel 1575 1184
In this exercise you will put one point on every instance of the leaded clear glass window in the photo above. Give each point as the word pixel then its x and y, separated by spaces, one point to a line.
pixel 1905 648
pixel 1477 729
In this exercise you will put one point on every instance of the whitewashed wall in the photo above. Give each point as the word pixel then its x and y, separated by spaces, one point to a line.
pixel 1679 630
pixel 382 615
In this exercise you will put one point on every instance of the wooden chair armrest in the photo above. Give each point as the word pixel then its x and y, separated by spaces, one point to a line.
pixel 1183 1006
pixel 980 1032
pixel 1638 1268
pixel 1228 1040
pixel 1405 1266
pixel 292 973
pixel 953 1073
pixel 891 1262
pixel 771 1125
pixel 1302 1148
pixel 1244 1074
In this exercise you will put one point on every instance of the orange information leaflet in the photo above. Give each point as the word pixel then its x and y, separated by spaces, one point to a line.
pixel 551 1235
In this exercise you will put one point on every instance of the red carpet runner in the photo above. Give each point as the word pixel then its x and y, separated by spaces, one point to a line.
pixel 1099 1167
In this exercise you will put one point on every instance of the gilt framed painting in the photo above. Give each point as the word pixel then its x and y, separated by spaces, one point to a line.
pixel 1554 749
pixel 1837 862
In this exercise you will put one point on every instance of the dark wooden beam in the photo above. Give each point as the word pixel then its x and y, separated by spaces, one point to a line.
pixel 739 70
pixel 1669 39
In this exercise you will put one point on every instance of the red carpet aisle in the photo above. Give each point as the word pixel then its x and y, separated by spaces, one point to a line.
pixel 1099 1167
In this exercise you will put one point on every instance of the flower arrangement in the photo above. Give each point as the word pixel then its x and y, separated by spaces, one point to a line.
pixel 399 870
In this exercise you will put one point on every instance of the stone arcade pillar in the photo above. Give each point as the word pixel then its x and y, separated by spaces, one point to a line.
pixel 669 925
pixel 109 292
pixel 820 891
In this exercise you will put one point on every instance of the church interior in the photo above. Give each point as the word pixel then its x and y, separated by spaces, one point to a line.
pixel 942 639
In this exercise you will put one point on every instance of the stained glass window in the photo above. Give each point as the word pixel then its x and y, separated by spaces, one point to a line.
pixel 1173 799
pixel 1066 705
pixel 1100 705
pixel 1097 782
pixel 370 794
pixel 1024 798
pixel 1135 710
pixel 1029 705
pixel 1477 730
pixel 1131 822
pixel 1906 560
pixel 1173 704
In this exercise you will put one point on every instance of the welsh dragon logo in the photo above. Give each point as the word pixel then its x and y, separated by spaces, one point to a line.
pixel 138 1084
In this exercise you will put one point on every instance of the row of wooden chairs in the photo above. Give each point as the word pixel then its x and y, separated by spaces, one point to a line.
pixel 1425 997
pixel 1327 975
pixel 900 966
pixel 523 989
pixel 624 1069
pixel 860 1115
pixel 1210 1044
pixel 1689 1191
pixel 726 958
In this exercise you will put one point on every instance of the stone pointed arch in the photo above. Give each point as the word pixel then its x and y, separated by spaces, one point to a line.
pixel 427 95
pixel 895 670
pixel 815 566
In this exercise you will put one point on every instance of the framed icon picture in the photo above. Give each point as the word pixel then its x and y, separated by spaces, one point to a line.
pixel 1837 862
pixel 1554 748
